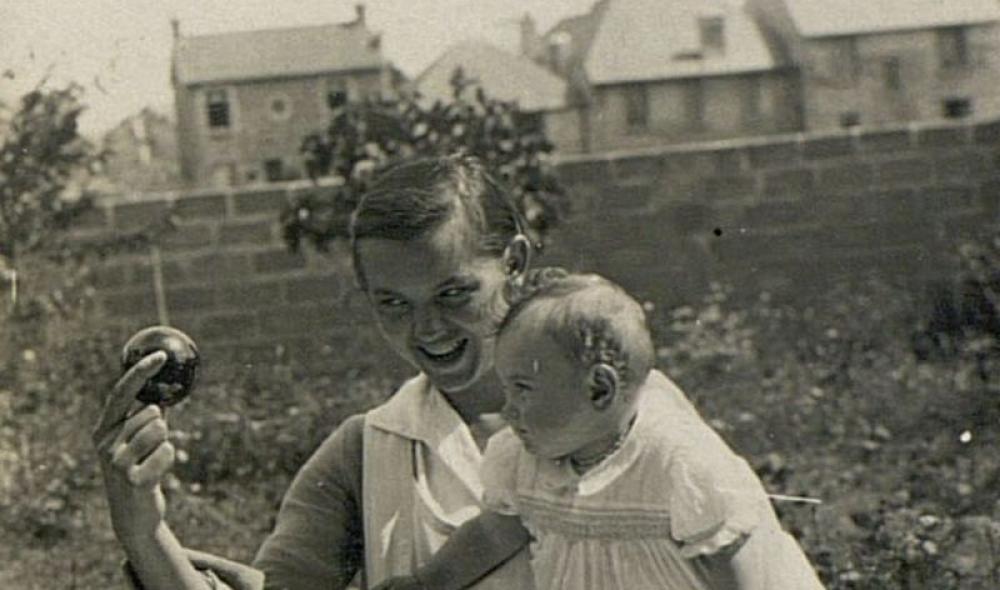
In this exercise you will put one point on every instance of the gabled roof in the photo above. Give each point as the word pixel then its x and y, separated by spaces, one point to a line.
pixel 293 51
pixel 820 18
pixel 644 40
pixel 501 75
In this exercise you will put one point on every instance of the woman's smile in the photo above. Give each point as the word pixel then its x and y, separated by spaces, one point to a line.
pixel 444 353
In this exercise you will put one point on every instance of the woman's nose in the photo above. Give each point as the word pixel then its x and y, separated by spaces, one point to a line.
pixel 427 324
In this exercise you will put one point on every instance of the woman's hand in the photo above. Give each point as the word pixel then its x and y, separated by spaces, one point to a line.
pixel 134 454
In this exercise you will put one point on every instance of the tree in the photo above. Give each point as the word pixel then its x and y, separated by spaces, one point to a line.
pixel 43 163
pixel 368 136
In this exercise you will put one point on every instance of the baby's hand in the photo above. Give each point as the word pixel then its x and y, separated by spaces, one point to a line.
pixel 402 583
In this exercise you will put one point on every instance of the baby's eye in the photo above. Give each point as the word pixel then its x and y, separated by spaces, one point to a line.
pixel 522 387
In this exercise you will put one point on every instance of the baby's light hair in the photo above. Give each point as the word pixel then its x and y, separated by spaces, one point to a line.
pixel 591 318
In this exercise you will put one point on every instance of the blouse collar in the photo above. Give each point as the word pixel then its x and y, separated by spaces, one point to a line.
pixel 420 412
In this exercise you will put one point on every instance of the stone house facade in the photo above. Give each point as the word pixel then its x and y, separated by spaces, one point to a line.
pixel 245 100
pixel 645 72
pixel 890 61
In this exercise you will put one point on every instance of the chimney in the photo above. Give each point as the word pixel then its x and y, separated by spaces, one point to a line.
pixel 359 11
pixel 530 41
pixel 176 26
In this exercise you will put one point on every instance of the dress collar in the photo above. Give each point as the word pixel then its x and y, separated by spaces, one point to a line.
pixel 661 403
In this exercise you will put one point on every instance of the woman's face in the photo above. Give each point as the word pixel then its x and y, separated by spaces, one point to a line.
pixel 437 301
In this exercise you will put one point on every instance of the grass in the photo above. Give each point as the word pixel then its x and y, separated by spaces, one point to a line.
pixel 827 401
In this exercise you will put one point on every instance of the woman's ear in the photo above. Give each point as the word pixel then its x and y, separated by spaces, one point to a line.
pixel 604 383
pixel 517 257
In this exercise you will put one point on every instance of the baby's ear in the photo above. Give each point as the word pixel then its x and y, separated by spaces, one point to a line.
pixel 604 383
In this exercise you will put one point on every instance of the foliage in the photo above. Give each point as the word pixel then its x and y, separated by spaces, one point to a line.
pixel 367 136
pixel 43 163
pixel 829 401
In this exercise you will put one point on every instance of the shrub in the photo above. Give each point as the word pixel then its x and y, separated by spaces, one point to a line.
pixel 365 137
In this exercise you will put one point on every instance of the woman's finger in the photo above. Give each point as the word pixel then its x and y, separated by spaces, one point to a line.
pixel 144 443
pixel 122 396
pixel 154 467
pixel 137 421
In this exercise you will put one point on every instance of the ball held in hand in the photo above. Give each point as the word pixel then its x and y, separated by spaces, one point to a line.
pixel 176 378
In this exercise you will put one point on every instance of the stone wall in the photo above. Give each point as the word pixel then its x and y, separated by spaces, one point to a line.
pixel 788 214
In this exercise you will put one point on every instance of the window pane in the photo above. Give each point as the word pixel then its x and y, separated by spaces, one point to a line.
pixel 273 170
pixel 953 50
pixel 892 73
pixel 218 108
pixel 636 107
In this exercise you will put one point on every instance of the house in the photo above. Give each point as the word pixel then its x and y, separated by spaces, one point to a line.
pixel 648 72
pixel 871 63
pixel 142 153
pixel 245 100
pixel 539 93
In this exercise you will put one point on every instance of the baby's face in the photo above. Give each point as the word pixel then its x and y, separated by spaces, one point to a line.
pixel 547 399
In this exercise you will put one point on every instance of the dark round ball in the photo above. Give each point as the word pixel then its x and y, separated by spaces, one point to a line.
pixel 176 379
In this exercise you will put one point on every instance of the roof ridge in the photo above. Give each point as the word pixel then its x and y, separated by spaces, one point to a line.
pixel 286 28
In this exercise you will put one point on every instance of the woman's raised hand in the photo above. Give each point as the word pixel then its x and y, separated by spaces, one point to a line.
pixel 134 453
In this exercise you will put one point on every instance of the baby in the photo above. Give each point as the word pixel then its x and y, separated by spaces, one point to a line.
pixel 606 466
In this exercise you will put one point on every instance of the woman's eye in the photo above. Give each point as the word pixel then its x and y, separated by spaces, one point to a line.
pixel 392 304
pixel 454 295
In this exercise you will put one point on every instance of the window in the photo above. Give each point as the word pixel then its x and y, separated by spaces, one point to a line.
pixel 751 101
pixel 694 104
pixel 336 95
pixel 273 170
pixel 844 59
pixel 956 108
pixel 217 102
pixel 222 175
pixel 953 48
pixel 281 108
pixel 712 33
pixel 892 73
pixel 636 107
pixel 850 119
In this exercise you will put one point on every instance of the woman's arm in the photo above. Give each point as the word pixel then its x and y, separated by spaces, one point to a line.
pixel 318 539
pixel 134 455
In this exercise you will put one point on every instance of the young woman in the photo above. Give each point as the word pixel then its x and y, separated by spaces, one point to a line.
pixel 434 243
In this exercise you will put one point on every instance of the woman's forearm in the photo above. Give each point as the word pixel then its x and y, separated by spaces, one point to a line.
pixel 161 562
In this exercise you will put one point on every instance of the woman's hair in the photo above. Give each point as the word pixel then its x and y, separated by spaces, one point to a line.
pixel 591 318
pixel 412 199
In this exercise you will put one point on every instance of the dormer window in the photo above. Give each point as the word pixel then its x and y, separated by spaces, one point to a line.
pixel 713 34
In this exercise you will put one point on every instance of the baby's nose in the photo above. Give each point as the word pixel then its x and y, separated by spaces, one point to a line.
pixel 510 412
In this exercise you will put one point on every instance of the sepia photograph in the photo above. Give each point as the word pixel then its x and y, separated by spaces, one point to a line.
pixel 500 294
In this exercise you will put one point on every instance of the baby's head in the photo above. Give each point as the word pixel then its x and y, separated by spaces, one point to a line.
pixel 572 354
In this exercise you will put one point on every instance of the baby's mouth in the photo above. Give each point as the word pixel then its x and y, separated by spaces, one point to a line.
pixel 444 353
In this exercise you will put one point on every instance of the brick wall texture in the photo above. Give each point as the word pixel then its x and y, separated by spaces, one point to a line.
pixel 790 215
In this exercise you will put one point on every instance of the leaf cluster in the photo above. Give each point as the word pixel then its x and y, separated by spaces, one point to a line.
pixel 365 137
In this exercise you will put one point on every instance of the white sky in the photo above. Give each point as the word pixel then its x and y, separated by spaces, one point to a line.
pixel 119 50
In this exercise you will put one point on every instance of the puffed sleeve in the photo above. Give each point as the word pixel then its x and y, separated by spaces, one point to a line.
pixel 715 502
pixel 499 472
pixel 317 541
